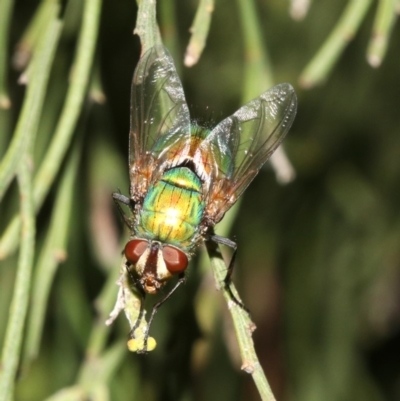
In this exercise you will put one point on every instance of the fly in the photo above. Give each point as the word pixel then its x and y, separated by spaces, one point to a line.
pixel 184 178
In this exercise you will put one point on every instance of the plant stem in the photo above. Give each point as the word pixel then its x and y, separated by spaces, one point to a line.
pixel 146 25
pixel 6 7
pixel 321 65
pixel 243 326
pixel 19 303
pixel 384 22
pixel 67 122
pixel 199 30
pixel 31 35
pixel 169 29
pixel 258 70
pixel 25 131
pixel 53 253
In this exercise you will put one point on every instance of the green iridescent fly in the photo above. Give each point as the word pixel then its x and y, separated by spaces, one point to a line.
pixel 184 178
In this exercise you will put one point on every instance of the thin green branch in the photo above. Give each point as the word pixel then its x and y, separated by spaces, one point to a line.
pixel 258 72
pixel 384 22
pixel 97 373
pixel 5 129
pixel 241 319
pixel 73 393
pixel 52 254
pixel 199 30
pixel 104 304
pixel 242 322
pixel 146 25
pixel 31 36
pixel 258 69
pixel 169 28
pixel 243 327
pixel 26 128
pixel 9 239
pixel 96 92
pixel 62 137
pixel 19 303
pixel 6 7
pixel 12 345
pixel 100 365
pixel 75 97
pixel 259 76
pixel 321 65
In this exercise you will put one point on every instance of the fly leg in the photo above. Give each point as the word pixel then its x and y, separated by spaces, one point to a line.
pixel 126 201
pixel 121 198
pixel 228 278
pixel 157 305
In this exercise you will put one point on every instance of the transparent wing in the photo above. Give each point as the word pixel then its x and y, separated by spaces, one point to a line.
pixel 248 138
pixel 159 116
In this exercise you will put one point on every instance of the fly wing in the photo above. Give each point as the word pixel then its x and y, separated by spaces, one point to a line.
pixel 247 139
pixel 159 117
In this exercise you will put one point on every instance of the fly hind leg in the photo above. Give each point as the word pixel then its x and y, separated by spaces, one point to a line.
pixel 119 198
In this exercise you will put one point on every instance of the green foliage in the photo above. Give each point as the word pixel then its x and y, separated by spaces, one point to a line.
pixel 318 260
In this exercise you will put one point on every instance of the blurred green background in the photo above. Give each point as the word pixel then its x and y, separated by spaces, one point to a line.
pixel 318 263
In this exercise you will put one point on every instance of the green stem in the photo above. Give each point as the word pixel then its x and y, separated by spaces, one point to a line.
pixel 6 7
pixel 384 22
pixel 241 319
pixel 19 303
pixel 96 92
pixel 31 36
pixel 146 25
pixel 95 376
pixel 258 69
pixel 78 86
pixel 199 30
pixel 243 326
pixel 96 372
pixel 321 65
pixel 31 111
pixel 104 304
pixel 9 240
pixel 259 76
pixel 66 125
pixel 169 29
pixel 53 253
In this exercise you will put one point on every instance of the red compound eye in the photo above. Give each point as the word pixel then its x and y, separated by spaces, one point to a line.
pixel 134 250
pixel 175 260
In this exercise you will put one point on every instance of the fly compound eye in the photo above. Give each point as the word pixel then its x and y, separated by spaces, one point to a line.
pixel 134 250
pixel 175 260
